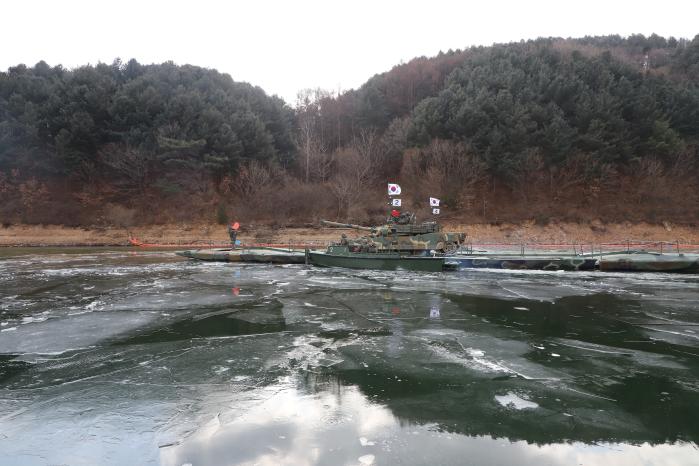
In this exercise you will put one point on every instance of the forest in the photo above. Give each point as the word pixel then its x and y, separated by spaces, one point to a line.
pixel 595 128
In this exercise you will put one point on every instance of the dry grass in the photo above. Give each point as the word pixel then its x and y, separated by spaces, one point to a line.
pixel 527 232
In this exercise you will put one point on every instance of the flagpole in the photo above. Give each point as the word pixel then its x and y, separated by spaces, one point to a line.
pixel 394 203
pixel 389 204
pixel 435 207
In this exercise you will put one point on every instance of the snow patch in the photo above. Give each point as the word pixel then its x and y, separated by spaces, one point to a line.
pixel 365 442
pixel 511 400
pixel 367 459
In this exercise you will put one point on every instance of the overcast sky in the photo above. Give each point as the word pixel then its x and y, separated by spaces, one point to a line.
pixel 284 46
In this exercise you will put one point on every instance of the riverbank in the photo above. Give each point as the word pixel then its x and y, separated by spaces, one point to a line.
pixel 185 234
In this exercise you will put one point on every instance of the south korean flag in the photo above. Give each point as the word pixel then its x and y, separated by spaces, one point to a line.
pixel 434 202
pixel 393 189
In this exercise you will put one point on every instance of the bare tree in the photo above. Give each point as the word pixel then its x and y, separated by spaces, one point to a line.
pixel 5 184
pixel 354 173
pixel 529 173
pixel 452 169
pixel 33 193
pixel 344 191
pixel 132 164
pixel 252 178
pixel 580 172
pixel 368 145
pixel 310 138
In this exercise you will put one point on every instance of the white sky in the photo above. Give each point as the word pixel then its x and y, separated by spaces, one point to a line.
pixel 285 46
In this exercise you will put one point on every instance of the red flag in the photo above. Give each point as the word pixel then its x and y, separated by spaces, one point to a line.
pixel 395 213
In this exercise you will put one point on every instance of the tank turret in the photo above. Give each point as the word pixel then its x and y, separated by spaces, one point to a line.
pixel 402 234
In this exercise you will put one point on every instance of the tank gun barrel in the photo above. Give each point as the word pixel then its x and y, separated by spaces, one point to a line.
pixel 328 223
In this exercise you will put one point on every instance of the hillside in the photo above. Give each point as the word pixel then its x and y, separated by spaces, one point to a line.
pixel 564 129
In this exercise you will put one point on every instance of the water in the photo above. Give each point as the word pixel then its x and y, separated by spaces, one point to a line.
pixel 137 358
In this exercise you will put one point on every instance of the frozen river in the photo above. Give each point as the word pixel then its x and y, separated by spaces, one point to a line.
pixel 143 358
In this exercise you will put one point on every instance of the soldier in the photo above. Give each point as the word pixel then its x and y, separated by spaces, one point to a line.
pixel 343 241
pixel 406 218
pixel 363 245
pixel 233 232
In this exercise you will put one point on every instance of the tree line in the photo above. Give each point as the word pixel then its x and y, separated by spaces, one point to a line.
pixel 598 127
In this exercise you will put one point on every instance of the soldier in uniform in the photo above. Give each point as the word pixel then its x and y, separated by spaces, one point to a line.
pixel 233 232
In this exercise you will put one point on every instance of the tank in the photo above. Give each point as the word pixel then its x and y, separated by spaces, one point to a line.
pixel 402 234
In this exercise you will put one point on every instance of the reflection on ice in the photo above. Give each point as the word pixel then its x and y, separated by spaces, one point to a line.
pixel 340 426
pixel 292 428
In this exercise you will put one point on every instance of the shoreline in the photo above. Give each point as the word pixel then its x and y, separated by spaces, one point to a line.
pixel 188 235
